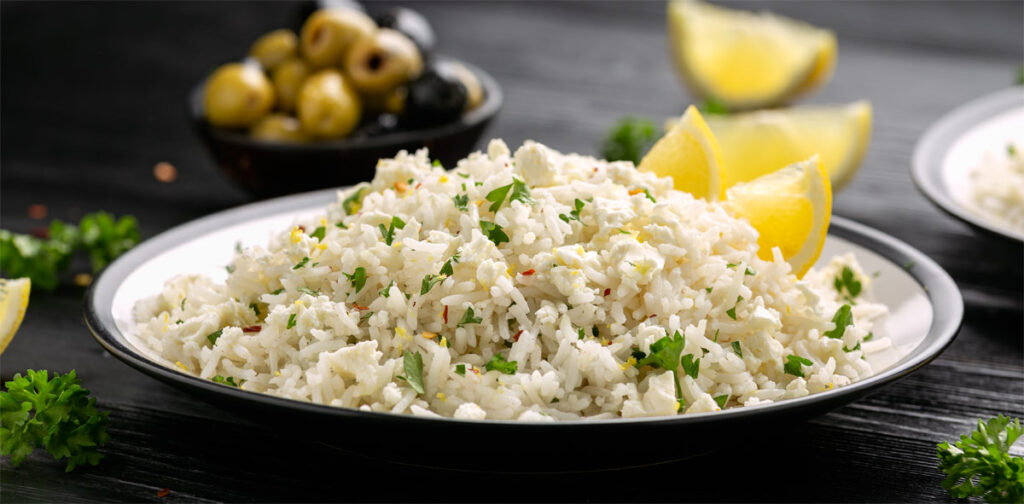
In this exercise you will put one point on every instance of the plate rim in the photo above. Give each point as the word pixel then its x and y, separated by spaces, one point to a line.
pixel 932 147
pixel 939 287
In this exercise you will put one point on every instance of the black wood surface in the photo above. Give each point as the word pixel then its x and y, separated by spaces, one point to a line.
pixel 93 96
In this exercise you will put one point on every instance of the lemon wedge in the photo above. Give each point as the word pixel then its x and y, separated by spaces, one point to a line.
pixel 13 302
pixel 689 154
pixel 756 143
pixel 747 60
pixel 790 208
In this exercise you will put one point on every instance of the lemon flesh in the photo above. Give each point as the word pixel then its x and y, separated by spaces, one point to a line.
pixel 790 209
pixel 13 302
pixel 689 154
pixel 757 143
pixel 747 60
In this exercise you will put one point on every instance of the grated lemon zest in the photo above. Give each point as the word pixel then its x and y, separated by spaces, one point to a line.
pixel 321 246
pixel 323 221
pixel 441 396
pixel 296 234
pixel 182 366
pixel 429 335
pixel 444 341
pixel 443 179
pixel 277 373
pixel 676 406
pixel 631 361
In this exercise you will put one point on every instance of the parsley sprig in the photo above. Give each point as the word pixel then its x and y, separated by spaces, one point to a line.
pixel 357 278
pixel 57 414
pixel 842 319
pixel 388 233
pixel 629 139
pixel 980 465
pixel 413 365
pixel 575 214
pixel 493 232
pixel 499 364
pixel 665 354
pixel 847 285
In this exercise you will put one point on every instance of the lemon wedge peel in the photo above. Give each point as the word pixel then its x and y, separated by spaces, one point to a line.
pixel 689 153
pixel 14 295
pixel 758 143
pixel 790 208
pixel 747 60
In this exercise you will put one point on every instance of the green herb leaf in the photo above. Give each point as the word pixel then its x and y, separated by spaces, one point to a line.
pixel 870 336
pixel 521 192
pixel 463 175
pixel 214 336
pixel 665 354
pixel 278 291
pixel 736 348
pixel 580 333
pixel 841 319
pixel 848 350
pixel 413 365
pixel 301 263
pixel 461 201
pixel 460 369
pixel 497 197
pixel 493 232
pixel 629 139
pixel 386 291
pixel 54 413
pixel 307 290
pixel 691 367
pixel 366 315
pixel 388 233
pixel 229 381
pixel 721 400
pixel 469 318
pixel 793 365
pixel 499 364
pixel 712 106
pixel 357 278
pixel 846 281
pixel 255 308
pixel 436 163
pixel 291 321
pixel 229 268
pixel 354 201
pixel 749 272
pixel 319 233
pixel 647 194
pixel 341 225
pixel 447 268
pixel 429 282
pixel 980 464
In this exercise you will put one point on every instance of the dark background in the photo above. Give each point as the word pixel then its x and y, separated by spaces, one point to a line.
pixel 93 96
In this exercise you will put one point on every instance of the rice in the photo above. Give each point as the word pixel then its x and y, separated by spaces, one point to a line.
pixel 601 262
pixel 998 186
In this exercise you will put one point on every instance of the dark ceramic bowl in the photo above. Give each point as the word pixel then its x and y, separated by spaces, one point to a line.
pixel 267 169
pixel 925 314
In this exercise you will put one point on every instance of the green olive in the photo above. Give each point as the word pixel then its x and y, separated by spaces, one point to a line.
pixel 379 64
pixel 288 78
pixel 392 102
pixel 237 95
pixel 275 47
pixel 474 90
pixel 279 127
pixel 329 33
pixel 328 105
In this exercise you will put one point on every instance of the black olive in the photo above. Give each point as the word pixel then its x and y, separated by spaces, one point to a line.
pixel 437 96
pixel 412 24
pixel 306 8
pixel 376 126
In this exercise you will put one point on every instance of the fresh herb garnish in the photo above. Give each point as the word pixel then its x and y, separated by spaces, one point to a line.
pixel 353 203
pixel 388 233
pixel 855 348
pixel 291 321
pixel 749 272
pixel 255 308
pixel 413 365
pixel 386 291
pixel 319 233
pixel 460 369
pixel 429 282
pixel 721 400
pixel 461 201
pixel 229 268
pixel 307 290
pixel 278 291
pixel 436 163
pixel 341 225
pixel 712 106
pixel 521 192
pixel 497 197
pixel 575 214
pixel 357 278
pixel 469 318
pixel 731 312
pixel 301 263
pixel 647 194
pixel 736 348
pixel 447 269
pixel 366 315
pixel 691 367
pixel 629 139
pixel 493 232
pixel 214 336
pixel 841 319
pixel 463 175
pixel 52 413
pixel 793 365
pixel 869 336
pixel 499 364
pixel 229 381
pixel 665 354
pixel 580 333
pixel 980 465
pixel 846 281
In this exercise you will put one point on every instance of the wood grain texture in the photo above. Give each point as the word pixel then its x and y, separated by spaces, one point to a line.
pixel 91 106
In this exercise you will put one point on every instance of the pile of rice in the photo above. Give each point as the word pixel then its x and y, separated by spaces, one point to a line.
pixel 572 299
pixel 998 185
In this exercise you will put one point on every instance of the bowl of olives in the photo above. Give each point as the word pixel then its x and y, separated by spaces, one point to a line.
pixel 318 108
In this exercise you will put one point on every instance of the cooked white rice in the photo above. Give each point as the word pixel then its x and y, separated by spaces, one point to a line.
pixel 567 300
pixel 998 185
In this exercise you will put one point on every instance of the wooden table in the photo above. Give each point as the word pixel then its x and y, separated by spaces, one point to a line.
pixel 94 97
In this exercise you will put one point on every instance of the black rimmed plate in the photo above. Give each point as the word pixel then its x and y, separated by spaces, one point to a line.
pixel 925 314
pixel 957 143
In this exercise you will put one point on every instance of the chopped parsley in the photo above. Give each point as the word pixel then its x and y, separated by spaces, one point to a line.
pixel 623 231
pixel 846 281
pixel 214 336
pixel 388 233
pixel 183 303
pixel 869 336
pixel 353 203
pixel 716 336
pixel 841 319
pixel 493 232
pixel 855 348
pixel 307 290
pixel 429 282
pixel 1011 150
pixel 731 312
pixel 793 365
pixel 366 315
pixel 708 289
pixel 278 291
pixel 301 263
pixel 629 139
pixel 665 354
pixel 463 175
pixel 461 201
pixel 460 369
pixel 499 364
pixel 386 291
pixel 521 192
pixel 691 367
pixel 256 308
pixel 469 318
pixel 735 347
pixel 580 333
pixel 721 400
pixel 291 321
pixel 575 214
pixel 647 193
pixel 497 197
pixel 229 381
pixel 319 233
pixel 712 106
pixel 749 272
pixel 413 365
pixel 637 354
pixel 357 278
pixel 341 225
pixel 230 269
pixel 436 162
pixel 447 268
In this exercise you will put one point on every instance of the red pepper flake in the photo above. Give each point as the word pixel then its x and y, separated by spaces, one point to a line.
pixel 445 314
pixel 418 185
pixel 634 192
pixel 401 186
pixel 595 169
pixel 163 492
pixel 165 172
pixel 473 369
pixel 516 337
pixel 361 307
pixel 302 228
pixel 653 315
pixel 37 211
pixel 528 272
pixel 607 292
pixel 252 328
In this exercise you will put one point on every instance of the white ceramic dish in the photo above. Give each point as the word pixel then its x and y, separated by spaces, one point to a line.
pixel 956 144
